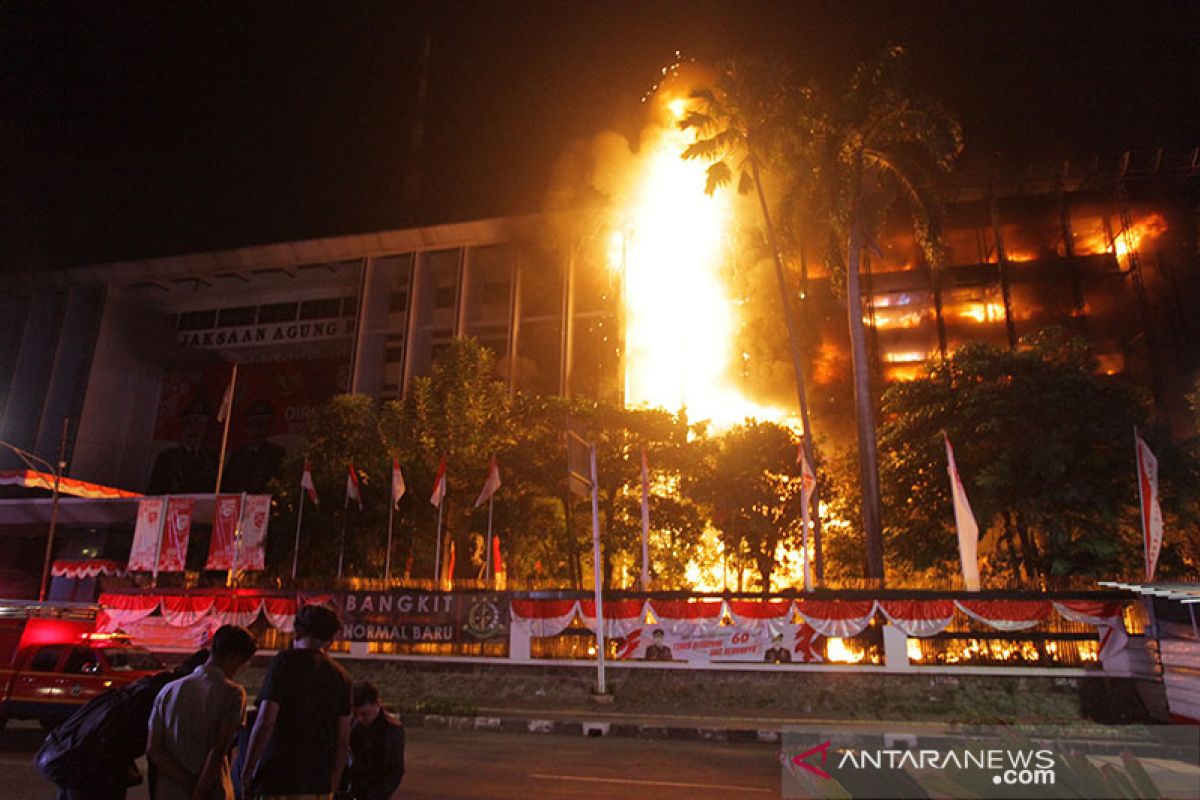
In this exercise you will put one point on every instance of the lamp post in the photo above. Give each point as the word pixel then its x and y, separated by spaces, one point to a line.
pixel 32 461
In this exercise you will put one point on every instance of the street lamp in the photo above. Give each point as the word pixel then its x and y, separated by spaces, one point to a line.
pixel 32 461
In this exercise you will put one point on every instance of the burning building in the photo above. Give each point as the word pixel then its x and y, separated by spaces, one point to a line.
pixel 662 305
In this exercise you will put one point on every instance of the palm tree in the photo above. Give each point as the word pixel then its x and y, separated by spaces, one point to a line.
pixel 878 145
pixel 744 123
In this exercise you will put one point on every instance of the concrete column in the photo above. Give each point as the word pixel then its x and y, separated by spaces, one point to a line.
pixel 518 643
pixel 895 649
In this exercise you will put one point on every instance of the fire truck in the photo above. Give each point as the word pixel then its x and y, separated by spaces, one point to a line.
pixel 52 660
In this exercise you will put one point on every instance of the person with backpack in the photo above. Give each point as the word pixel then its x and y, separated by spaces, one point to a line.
pixel 301 737
pixel 195 719
pixel 92 754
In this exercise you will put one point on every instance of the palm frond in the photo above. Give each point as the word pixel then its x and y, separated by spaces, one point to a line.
pixel 717 175
pixel 745 183
pixel 706 149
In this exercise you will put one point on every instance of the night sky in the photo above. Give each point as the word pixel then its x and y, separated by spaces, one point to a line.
pixel 129 133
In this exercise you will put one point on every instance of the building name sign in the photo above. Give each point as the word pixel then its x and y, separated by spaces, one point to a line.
pixel 281 333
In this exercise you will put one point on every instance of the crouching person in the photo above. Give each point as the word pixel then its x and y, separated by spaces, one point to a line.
pixel 376 747
pixel 195 719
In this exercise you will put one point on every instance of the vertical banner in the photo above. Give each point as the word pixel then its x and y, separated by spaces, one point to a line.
pixel 964 522
pixel 1152 521
pixel 145 535
pixel 251 548
pixel 226 513
pixel 173 555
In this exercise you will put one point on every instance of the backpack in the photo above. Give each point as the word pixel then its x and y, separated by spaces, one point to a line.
pixel 96 746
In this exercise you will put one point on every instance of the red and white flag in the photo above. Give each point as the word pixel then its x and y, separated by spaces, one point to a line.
pixel 490 484
pixel 1152 521
pixel 306 483
pixel 439 484
pixel 227 512
pixel 353 491
pixel 501 576
pixel 173 555
pixel 143 553
pixel 964 522
pixel 808 479
pixel 398 487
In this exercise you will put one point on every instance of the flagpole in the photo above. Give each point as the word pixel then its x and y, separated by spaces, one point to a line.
pixel 807 566
pixel 342 546
pixel 437 555
pixel 387 559
pixel 1137 455
pixel 225 433
pixel 296 546
pixel 237 543
pixel 645 524
pixel 487 564
pixel 601 688
pixel 162 522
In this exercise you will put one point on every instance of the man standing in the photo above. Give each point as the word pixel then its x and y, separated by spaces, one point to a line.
pixel 376 747
pixel 195 719
pixel 302 734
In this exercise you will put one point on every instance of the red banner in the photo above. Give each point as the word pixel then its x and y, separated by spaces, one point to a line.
pixel 172 556
pixel 251 548
pixel 142 554
pixel 226 514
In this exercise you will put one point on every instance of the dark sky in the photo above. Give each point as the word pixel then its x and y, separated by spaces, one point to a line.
pixel 131 131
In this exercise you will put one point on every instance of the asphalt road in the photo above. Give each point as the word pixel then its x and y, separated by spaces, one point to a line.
pixel 497 766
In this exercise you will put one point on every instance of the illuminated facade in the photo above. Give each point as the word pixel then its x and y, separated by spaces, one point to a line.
pixel 122 349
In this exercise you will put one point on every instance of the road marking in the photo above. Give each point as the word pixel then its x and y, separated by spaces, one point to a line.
pixel 632 782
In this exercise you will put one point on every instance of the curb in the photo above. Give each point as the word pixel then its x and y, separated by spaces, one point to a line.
pixel 592 728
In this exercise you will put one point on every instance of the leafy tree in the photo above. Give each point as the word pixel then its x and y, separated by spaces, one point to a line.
pixel 746 124
pixel 342 430
pixel 877 145
pixel 753 491
pixel 459 411
pixel 1044 447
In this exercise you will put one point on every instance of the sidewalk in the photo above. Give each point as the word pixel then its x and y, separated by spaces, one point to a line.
pixel 599 721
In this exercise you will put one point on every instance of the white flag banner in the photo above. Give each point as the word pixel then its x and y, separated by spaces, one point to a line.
pixel 251 548
pixel 964 522
pixel 144 552
pixel 398 487
pixel 1152 521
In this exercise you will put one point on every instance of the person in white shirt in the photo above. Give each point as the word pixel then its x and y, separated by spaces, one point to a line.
pixel 195 720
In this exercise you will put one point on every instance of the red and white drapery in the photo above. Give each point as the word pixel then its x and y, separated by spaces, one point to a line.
pixel 77 569
pixel 1107 617
pixel 280 612
pixel 621 617
pixel 191 611
pixel 184 610
pixel 1006 615
pixel 918 617
pixel 837 618
pixel 544 618
pixel 756 616
pixel 684 617
pixel 118 610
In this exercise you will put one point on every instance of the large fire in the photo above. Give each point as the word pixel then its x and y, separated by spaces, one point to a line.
pixel 681 321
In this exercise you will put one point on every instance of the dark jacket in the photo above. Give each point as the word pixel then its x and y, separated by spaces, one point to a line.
pixel 376 758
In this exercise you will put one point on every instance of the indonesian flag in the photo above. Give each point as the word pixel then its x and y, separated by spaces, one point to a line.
pixel 353 491
pixel 1152 522
pixel 964 522
pixel 398 487
pixel 439 484
pixel 808 479
pixel 490 484
pixel 498 570
pixel 306 483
